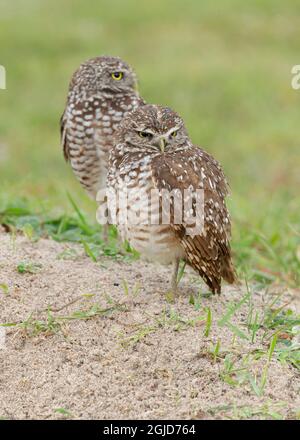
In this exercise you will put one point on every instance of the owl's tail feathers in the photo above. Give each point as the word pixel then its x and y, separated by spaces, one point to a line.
pixel 228 272
pixel 215 270
pixel 211 277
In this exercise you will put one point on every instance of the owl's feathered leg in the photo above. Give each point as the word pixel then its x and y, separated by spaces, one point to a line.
pixel 174 280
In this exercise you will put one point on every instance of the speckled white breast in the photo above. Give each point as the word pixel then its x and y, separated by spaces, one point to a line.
pixel 140 225
pixel 89 134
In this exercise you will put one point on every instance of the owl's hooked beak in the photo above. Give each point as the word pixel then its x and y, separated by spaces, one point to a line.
pixel 162 144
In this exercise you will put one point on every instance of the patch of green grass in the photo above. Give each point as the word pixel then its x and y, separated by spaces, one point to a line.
pixel 171 317
pixel 284 324
pixel 216 350
pixel 232 308
pixel 29 267
pixel 20 215
pixel 4 288
pixel 64 412
pixel 270 325
pixel 136 336
pixel 168 319
pixel 68 254
pixel 196 301
pixel 230 373
pixel 289 352
pixel 208 322
pixel 134 292
pixel 53 323
pixel 33 327
pixel 268 410
pixel 236 370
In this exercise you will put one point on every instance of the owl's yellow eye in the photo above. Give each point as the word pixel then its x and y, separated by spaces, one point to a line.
pixel 117 75
pixel 174 133
pixel 145 134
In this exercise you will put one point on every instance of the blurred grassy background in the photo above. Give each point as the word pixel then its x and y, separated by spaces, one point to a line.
pixel 226 68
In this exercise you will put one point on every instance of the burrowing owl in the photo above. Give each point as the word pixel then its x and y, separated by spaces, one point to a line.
pixel 152 151
pixel 101 92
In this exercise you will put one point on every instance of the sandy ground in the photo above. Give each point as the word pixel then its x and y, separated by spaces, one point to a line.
pixel 144 358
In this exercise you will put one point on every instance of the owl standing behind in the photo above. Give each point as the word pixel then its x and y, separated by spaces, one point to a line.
pixel 101 92
pixel 153 152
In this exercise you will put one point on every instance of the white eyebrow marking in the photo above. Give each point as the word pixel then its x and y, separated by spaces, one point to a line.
pixel 172 130
pixel 144 130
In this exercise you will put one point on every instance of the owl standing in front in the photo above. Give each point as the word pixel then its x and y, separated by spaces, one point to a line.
pixel 152 151
pixel 101 92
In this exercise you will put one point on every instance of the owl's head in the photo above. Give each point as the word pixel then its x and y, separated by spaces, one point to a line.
pixel 152 129
pixel 104 74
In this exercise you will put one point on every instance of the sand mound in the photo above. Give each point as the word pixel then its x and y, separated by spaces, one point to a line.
pixel 113 349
